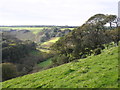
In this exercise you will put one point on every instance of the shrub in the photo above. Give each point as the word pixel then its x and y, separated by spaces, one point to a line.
pixel 8 71
pixel 62 59
pixel 97 51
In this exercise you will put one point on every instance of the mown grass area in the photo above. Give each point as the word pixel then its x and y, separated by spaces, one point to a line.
pixel 100 71
pixel 45 63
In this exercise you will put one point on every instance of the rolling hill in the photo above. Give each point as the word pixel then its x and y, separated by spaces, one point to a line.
pixel 100 71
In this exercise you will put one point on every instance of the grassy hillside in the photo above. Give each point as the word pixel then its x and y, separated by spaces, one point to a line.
pixel 45 46
pixel 99 71
pixel 67 28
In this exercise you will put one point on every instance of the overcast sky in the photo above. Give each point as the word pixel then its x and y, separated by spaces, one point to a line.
pixel 53 12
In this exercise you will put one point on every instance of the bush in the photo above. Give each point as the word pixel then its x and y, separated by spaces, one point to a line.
pixel 60 59
pixel 8 71
pixel 54 60
pixel 97 51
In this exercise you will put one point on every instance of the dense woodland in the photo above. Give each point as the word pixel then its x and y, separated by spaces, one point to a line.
pixel 90 38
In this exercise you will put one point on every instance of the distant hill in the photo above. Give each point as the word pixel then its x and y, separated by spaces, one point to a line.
pixel 100 71
pixel 38 35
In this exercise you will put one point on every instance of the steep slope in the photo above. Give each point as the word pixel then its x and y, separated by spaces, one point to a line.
pixel 100 71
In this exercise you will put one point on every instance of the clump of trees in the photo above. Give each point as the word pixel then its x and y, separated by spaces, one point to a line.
pixel 14 51
pixel 87 39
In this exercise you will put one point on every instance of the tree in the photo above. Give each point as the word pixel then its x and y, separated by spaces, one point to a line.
pixel 85 39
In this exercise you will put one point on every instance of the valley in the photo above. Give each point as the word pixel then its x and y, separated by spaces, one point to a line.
pixel 83 56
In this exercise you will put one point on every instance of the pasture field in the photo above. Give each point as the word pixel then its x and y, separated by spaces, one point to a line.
pixel 67 28
pixel 35 30
pixel 47 44
pixel 43 50
pixel 100 71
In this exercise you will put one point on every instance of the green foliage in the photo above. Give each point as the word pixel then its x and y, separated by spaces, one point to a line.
pixel 13 53
pixel 114 34
pixel 60 59
pixel 97 51
pixel 8 71
pixel 85 40
pixel 45 63
pixel 22 53
pixel 49 33
pixel 100 71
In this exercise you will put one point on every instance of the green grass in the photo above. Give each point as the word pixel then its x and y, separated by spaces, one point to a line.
pixel 67 28
pixel 45 63
pixel 36 53
pixel 47 44
pixel 44 50
pixel 100 71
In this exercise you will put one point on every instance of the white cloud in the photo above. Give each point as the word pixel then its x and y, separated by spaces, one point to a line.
pixel 59 12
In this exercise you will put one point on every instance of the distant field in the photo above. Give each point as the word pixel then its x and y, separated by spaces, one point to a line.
pixel 50 42
pixel 35 30
pixel 45 46
pixel 22 28
pixel 67 28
